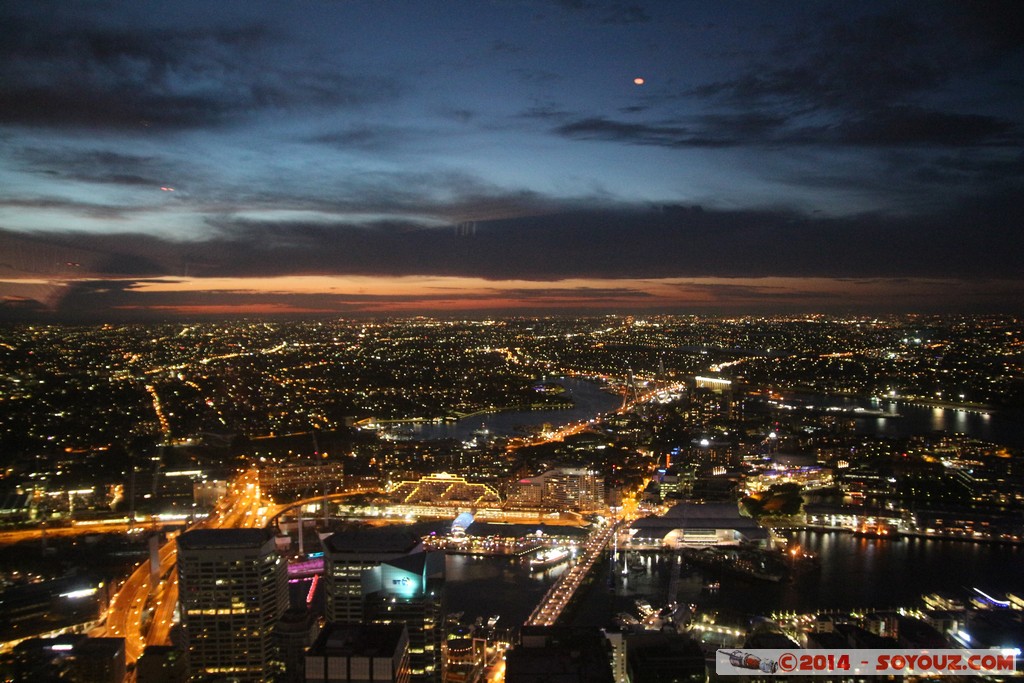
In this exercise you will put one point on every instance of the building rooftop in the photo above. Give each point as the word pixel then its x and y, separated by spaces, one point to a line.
pixel 223 538
pixel 699 515
pixel 373 540
pixel 359 640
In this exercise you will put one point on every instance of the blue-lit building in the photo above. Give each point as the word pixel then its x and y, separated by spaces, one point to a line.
pixel 353 551
pixel 410 590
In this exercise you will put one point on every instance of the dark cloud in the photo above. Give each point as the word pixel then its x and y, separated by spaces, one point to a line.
pixel 107 211
pixel 100 166
pixel 850 64
pixel 881 80
pixel 589 294
pixel 536 76
pixel 891 127
pixel 981 238
pixel 608 12
pixel 507 47
pixel 658 135
pixel 962 169
pixel 625 13
pixel 368 138
pixel 101 77
pixel 911 126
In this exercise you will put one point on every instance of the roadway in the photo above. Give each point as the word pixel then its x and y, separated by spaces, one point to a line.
pixel 37 533
pixel 143 613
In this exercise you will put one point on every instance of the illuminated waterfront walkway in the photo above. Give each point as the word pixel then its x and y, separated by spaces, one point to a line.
pixel 562 590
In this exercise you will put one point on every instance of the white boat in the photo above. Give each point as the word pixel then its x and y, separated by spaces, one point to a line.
pixel 550 557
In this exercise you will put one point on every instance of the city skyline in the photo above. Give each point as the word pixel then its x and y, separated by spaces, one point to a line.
pixel 400 158
pixel 842 481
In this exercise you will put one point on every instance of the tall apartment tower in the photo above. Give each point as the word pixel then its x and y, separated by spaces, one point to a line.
pixel 351 552
pixel 232 591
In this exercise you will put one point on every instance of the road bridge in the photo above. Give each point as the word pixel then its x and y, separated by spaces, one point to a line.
pixel 561 592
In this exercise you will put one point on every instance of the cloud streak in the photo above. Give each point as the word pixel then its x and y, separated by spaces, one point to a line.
pixel 980 239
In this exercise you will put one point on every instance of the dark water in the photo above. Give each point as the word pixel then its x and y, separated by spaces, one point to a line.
pixel 487 586
pixel 854 573
pixel 861 573
pixel 587 396
pixel 1005 428
pixel 1002 427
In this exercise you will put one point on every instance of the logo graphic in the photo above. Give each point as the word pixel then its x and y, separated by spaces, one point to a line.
pixel 745 660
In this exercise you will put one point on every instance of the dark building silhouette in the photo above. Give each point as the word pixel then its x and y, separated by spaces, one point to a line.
pixel 557 655
pixel 359 653
pixel 161 664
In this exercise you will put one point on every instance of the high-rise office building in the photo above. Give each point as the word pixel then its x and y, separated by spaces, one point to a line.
pixel 293 634
pixel 351 552
pixel 410 590
pixel 233 589
pixel 383 576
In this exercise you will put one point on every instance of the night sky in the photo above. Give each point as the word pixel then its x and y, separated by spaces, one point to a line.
pixel 374 157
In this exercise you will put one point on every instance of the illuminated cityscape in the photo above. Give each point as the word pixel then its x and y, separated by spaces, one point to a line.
pixel 546 341
pixel 667 458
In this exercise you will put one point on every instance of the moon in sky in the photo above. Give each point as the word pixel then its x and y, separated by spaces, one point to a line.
pixel 638 81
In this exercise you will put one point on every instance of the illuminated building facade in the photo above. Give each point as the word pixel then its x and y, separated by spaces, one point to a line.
pixel 302 478
pixel 351 552
pixel 564 488
pixel 689 525
pixel 444 489
pixel 233 590
pixel 710 400
pixel 410 590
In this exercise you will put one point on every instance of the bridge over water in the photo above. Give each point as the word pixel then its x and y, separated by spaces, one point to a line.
pixel 561 591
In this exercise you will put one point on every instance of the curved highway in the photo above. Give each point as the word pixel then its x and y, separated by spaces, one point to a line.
pixel 142 613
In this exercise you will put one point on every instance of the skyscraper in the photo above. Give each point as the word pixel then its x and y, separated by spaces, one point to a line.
pixel 410 590
pixel 233 589
pixel 378 575
pixel 351 552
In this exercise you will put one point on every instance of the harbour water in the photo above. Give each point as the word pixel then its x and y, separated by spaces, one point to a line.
pixel 905 419
pixel 588 397
pixel 901 419
pixel 853 573
pixel 1001 427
